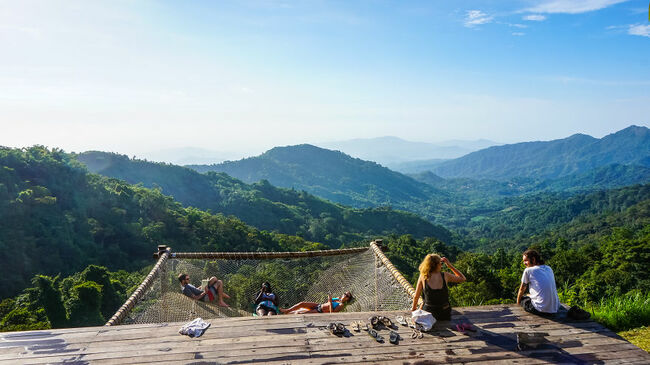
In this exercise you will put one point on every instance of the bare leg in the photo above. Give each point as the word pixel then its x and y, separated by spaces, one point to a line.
pixel 261 312
pixel 221 294
pixel 271 313
pixel 217 283
pixel 302 307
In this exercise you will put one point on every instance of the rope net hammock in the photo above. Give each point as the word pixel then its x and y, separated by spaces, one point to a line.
pixel 294 277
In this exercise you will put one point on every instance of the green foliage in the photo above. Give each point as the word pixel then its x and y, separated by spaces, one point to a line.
pixel 262 205
pixel 623 312
pixel 49 298
pixel 84 305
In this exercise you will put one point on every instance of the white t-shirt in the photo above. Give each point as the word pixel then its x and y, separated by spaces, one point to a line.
pixel 543 293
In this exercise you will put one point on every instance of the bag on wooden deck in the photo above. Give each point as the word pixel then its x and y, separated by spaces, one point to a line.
pixel 423 318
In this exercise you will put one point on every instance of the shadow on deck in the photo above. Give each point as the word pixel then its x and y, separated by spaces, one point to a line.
pixel 289 339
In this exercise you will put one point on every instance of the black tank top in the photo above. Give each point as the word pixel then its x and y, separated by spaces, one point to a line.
pixel 436 301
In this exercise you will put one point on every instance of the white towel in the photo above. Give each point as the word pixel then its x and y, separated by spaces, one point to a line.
pixel 194 328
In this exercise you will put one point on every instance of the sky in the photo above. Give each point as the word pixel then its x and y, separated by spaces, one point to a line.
pixel 140 76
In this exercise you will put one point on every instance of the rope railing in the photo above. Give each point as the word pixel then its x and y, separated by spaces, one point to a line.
pixel 264 255
pixel 154 301
pixel 393 270
pixel 139 292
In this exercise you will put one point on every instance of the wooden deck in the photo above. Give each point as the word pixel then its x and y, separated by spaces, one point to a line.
pixel 290 339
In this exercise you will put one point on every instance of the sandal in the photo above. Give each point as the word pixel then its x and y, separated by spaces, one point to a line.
pixel 355 326
pixel 394 337
pixel 468 327
pixel 375 335
pixel 415 333
pixel 332 328
pixel 410 322
pixel 340 329
pixel 374 321
pixel 387 322
pixel 363 325
pixel 401 320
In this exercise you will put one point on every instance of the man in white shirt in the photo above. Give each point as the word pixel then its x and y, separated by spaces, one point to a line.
pixel 539 279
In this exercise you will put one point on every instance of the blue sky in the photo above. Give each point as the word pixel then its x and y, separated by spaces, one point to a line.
pixel 137 76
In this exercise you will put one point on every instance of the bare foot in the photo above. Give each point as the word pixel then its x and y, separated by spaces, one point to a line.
pixel 226 295
pixel 223 304
pixel 283 310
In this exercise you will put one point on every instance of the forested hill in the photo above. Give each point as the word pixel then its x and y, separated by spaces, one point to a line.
pixel 263 205
pixel 329 174
pixel 56 217
pixel 553 159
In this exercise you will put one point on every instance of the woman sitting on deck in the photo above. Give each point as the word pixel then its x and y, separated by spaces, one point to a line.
pixel 433 284
pixel 332 305
pixel 266 302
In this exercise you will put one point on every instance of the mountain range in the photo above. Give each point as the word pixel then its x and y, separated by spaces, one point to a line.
pixel 576 154
pixel 267 207
pixel 576 163
pixel 390 151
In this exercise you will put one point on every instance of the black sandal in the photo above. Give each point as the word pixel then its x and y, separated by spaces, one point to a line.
pixel 375 335
pixel 394 337
pixel 374 321
pixel 340 329
pixel 332 328
pixel 387 322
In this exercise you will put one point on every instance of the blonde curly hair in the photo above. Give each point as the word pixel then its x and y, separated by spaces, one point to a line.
pixel 429 264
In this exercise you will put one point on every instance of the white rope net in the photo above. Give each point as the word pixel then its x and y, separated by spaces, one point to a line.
pixel 293 280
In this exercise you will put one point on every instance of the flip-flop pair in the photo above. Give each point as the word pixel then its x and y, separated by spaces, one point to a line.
pixel 375 321
pixel 357 326
pixel 374 334
pixel 401 320
pixel 463 327
pixel 337 329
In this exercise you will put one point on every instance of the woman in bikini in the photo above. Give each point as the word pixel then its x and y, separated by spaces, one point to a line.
pixel 336 304
pixel 432 284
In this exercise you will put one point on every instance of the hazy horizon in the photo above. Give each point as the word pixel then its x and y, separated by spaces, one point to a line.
pixel 243 77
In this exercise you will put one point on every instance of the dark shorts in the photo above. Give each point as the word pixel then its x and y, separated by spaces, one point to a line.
pixel 439 312
pixel 528 306
pixel 211 296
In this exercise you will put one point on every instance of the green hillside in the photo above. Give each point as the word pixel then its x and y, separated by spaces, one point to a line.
pixel 263 205
pixel 553 159
pixel 55 217
pixel 329 174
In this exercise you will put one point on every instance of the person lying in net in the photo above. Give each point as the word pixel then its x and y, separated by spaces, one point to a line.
pixel 213 290
pixel 266 301
pixel 332 305
pixel 433 284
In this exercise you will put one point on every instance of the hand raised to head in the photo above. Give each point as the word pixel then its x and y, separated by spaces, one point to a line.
pixel 444 260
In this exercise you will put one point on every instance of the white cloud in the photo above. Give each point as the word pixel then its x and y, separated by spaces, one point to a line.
pixel 519 34
pixel 572 6
pixel 535 17
pixel 637 29
pixel 477 17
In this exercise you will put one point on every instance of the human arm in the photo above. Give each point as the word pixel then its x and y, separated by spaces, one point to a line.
pixel 258 299
pixel 522 290
pixel 193 292
pixel 329 300
pixel 418 292
pixel 457 276
pixel 524 284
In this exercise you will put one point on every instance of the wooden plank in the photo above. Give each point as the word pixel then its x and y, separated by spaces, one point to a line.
pixel 303 339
